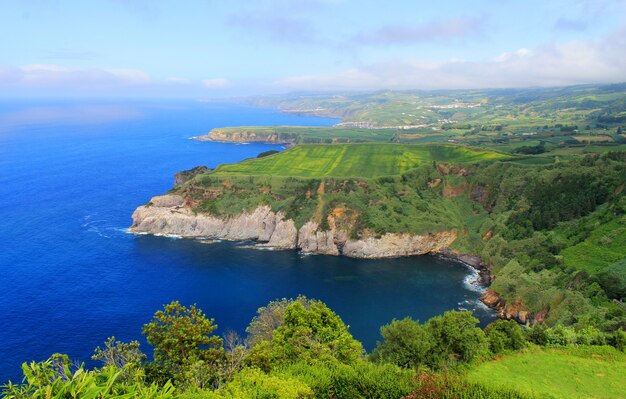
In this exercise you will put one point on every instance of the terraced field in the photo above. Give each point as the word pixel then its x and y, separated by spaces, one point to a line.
pixel 355 160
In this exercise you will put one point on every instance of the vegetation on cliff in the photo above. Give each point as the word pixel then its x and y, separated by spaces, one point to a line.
pixel 534 224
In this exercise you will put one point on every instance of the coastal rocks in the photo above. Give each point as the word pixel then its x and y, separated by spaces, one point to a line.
pixel 490 298
pixel 170 214
pixel 284 235
pixel 392 245
pixel 186 175
pixel 510 312
pixel 311 240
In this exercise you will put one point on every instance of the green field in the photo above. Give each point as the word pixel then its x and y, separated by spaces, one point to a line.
pixel 355 160
pixel 586 372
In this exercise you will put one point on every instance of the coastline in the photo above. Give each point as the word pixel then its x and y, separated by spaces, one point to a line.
pixel 170 215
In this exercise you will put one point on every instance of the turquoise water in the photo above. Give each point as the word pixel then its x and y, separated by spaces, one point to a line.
pixel 70 177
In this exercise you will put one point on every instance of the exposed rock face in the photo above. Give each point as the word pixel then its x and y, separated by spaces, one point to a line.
pixel 510 312
pixel 311 240
pixel 171 215
pixel 186 175
pixel 390 245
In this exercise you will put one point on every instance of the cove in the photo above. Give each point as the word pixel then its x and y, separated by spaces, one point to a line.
pixel 71 175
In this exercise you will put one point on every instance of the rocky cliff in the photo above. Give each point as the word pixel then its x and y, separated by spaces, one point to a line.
pixel 170 214
pixel 514 311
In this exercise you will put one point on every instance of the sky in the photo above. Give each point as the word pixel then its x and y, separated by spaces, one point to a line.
pixel 213 49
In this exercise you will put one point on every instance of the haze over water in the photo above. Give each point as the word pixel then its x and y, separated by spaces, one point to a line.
pixel 70 177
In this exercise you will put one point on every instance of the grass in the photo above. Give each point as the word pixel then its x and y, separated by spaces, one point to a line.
pixel 355 160
pixel 586 372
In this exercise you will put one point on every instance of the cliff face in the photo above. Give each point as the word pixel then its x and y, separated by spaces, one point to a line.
pixel 170 215
pixel 243 136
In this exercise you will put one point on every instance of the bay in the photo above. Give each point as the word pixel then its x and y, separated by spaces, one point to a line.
pixel 71 174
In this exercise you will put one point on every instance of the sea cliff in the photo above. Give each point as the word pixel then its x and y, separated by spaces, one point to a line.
pixel 171 214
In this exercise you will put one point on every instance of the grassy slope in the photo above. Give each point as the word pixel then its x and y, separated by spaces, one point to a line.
pixel 355 160
pixel 563 373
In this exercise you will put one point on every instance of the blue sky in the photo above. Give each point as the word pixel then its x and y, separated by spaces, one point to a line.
pixel 222 48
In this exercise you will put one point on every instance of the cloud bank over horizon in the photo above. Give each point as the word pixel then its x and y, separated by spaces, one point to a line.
pixel 206 49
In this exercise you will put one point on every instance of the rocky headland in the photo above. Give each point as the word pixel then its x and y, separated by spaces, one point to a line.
pixel 171 214
pixel 246 136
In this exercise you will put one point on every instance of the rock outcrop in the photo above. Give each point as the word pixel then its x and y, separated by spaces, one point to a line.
pixel 514 311
pixel 170 214
pixel 186 175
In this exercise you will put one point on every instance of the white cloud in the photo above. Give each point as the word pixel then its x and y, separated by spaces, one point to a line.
pixel 216 83
pixel 577 62
pixel 48 76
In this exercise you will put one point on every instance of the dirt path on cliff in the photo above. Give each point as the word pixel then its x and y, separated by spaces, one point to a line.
pixel 319 211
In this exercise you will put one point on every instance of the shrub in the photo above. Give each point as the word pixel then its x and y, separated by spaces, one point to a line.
pixel 310 332
pixel 405 343
pixel 455 338
pixel 505 334
pixel 559 336
pixel 362 380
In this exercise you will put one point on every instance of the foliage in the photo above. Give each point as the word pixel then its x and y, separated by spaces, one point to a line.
pixel 182 341
pixel 46 380
pixel 360 380
pixel 505 335
pixel 270 317
pixel 123 356
pixel 455 338
pixel 313 333
pixel 406 343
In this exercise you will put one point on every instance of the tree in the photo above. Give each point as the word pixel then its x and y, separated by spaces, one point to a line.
pixel 123 356
pixel 405 343
pixel 182 337
pixel 505 334
pixel 270 317
pixel 310 332
pixel 455 338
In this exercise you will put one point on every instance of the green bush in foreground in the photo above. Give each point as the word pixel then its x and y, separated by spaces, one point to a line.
pixel 309 332
pixel 362 380
pixel 301 349
pixel 53 379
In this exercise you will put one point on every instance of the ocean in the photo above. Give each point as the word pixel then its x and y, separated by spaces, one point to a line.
pixel 71 174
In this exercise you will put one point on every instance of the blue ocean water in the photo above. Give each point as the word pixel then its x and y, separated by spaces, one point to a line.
pixel 71 174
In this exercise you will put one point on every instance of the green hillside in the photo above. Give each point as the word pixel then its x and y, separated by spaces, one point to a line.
pixel 561 373
pixel 355 160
